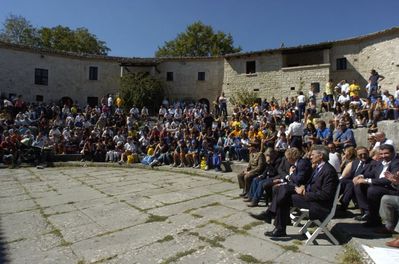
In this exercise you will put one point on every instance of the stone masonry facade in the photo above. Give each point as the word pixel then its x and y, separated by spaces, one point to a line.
pixel 275 73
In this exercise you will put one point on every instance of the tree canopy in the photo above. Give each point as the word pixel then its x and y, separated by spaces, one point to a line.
pixel 141 89
pixel 198 40
pixel 18 30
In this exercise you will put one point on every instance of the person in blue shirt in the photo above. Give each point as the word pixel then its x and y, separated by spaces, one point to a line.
pixel 324 135
pixel 344 136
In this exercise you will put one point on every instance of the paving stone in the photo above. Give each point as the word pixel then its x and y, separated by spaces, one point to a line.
pixel 82 232
pixel 123 215
pixel 70 219
pixel 101 247
pixel 29 252
pixel 290 257
pixel 159 251
pixel 59 209
pixel 210 255
pixel 17 204
pixel 215 212
pixel 186 205
pixel 257 248
pixel 23 225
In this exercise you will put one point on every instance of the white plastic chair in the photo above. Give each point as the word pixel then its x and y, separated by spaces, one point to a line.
pixel 322 226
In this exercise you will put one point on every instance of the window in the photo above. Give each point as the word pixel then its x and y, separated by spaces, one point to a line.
pixel 39 98
pixel 315 87
pixel 201 76
pixel 169 76
pixel 93 73
pixel 41 76
pixel 251 67
pixel 341 64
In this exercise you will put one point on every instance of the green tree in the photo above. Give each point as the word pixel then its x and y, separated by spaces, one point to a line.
pixel 243 96
pixel 66 39
pixel 18 30
pixel 141 89
pixel 198 40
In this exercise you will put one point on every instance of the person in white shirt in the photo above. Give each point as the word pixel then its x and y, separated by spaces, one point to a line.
pixel 344 87
pixel 301 100
pixel 381 139
pixel 295 133
pixel 343 98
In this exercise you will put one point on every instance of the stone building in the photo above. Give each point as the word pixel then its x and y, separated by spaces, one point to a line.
pixel 285 71
pixel 48 76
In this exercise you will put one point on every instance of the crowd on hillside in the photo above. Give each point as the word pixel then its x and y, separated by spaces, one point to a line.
pixel 271 135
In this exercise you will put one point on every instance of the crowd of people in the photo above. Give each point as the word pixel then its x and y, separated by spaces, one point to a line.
pixel 285 143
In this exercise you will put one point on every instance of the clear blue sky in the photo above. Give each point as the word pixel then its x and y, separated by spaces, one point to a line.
pixel 135 28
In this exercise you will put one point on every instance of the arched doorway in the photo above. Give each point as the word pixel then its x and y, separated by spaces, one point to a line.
pixel 204 101
pixel 66 101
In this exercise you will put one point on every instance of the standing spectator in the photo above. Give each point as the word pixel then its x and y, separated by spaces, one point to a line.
pixel 110 103
pixel 223 104
pixel 354 89
pixel 329 90
pixel 295 133
pixel 374 79
pixel 301 100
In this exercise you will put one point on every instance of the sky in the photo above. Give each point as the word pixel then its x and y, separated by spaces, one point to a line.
pixel 136 28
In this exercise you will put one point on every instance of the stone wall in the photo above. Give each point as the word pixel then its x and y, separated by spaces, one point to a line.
pixel 66 76
pixel 381 54
pixel 389 127
pixel 69 75
pixel 266 81
pixel 270 79
pixel 185 84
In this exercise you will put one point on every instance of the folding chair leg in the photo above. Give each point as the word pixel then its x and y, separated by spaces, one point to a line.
pixel 304 229
pixel 331 237
pixel 312 237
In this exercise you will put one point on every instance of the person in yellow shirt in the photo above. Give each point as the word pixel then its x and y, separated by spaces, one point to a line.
pixel 236 132
pixel 354 89
pixel 118 101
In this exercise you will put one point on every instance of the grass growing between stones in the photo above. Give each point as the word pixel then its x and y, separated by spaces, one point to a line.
pixel 297 242
pixel 178 256
pixel 17 240
pixel 252 224
pixel 214 242
pixel 197 215
pixel 104 260
pixel 165 239
pixel 156 218
pixel 249 259
pixel 229 227
pixel 293 248
pixel 350 256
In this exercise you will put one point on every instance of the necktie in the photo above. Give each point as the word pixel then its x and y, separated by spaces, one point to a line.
pixel 312 180
pixel 359 168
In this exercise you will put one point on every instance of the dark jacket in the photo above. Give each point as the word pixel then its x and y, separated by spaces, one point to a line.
pixel 374 173
pixel 322 192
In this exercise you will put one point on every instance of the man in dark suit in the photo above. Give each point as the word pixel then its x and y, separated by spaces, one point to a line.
pixel 317 195
pixel 370 187
pixel 299 173
pixel 359 166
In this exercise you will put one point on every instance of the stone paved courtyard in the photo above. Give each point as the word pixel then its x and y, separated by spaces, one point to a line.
pixel 123 215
